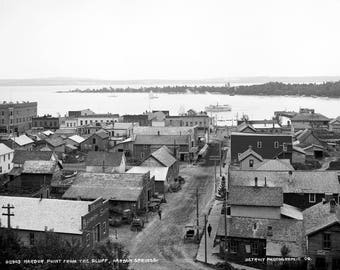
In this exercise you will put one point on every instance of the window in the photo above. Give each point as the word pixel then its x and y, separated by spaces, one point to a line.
pixel 233 246
pixel 81 122
pixel 94 141
pixel 9 156
pixel 312 198
pixel 284 147
pixel 0 169
pixel 104 227
pixel 251 163
pixel 9 166
pixel 4 157
pixel 276 144
pixel 88 239
pixel 31 239
pixel 326 241
pixel 255 248
pixel 141 155
pixel 259 144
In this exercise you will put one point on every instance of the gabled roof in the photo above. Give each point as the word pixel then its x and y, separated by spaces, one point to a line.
pixel 55 141
pixel 33 214
pixel 309 117
pixel 20 156
pixel 102 134
pixel 162 139
pixel 160 173
pixel 297 182
pixel 275 165
pixel 39 166
pixel 101 158
pixel 255 196
pixel 163 156
pixel 109 186
pixel 304 135
pixel 77 138
pixel 319 217
pixel 313 146
pixel 249 152
pixel 4 149
pixel 243 126
pixel 22 140
pixel 299 150
pixel 120 125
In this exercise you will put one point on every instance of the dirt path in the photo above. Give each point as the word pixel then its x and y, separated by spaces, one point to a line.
pixel 163 239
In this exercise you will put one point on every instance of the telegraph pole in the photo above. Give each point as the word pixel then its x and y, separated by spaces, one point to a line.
pixel 220 152
pixel 225 228
pixel 8 214
pixel 197 216
pixel 205 238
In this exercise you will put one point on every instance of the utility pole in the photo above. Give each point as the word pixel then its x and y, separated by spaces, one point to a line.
pixel 197 216
pixel 220 152
pixel 205 238
pixel 8 214
pixel 215 176
pixel 225 228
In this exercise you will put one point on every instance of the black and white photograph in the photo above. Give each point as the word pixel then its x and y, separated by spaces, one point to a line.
pixel 170 134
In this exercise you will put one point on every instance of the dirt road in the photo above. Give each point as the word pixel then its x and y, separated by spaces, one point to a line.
pixel 163 239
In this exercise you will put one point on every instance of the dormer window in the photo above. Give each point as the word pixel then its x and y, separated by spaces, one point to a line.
pixel 251 163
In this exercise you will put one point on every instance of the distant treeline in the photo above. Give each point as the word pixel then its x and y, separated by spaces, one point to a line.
pixel 327 89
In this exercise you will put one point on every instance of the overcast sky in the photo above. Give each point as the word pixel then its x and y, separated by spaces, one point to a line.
pixel 168 39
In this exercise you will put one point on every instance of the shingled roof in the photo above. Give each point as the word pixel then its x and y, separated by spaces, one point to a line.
pixel 319 216
pixel 275 165
pixel 20 156
pixel 163 156
pixel 249 152
pixel 255 196
pixel 101 158
pixel 112 186
pixel 39 166
pixel 296 182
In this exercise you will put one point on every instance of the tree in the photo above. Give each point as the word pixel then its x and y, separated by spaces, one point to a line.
pixel 115 253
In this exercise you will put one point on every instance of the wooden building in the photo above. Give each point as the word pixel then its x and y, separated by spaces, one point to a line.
pixel 98 141
pixel 301 189
pixel 163 157
pixel 108 162
pixel 123 190
pixel 269 146
pixel 81 221
pixel 322 226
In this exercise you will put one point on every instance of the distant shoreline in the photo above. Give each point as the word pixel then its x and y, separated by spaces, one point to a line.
pixel 328 89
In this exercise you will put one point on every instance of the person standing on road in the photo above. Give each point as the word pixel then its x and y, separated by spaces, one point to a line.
pixel 209 229
pixel 160 214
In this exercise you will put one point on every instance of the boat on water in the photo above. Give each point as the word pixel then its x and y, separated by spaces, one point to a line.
pixel 152 95
pixel 218 108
